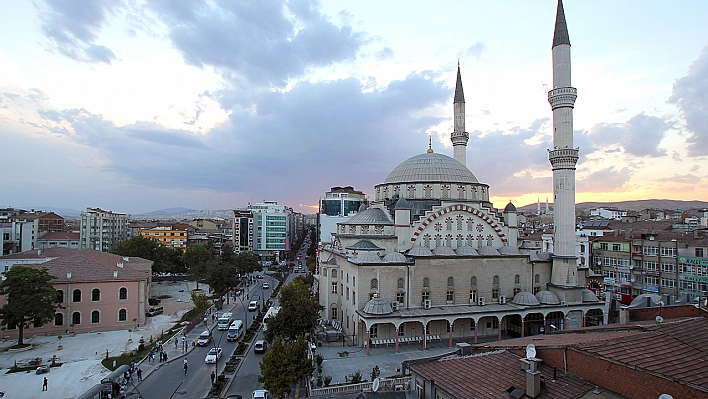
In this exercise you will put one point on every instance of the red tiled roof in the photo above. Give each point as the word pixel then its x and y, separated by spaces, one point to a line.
pixel 490 374
pixel 41 253
pixel 90 265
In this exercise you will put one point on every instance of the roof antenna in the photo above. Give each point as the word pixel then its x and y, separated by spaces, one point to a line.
pixel 430 144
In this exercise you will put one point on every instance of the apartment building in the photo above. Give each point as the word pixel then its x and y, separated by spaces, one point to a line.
pixel 102 230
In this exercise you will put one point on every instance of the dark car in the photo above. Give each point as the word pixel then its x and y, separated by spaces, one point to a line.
pixel 259 276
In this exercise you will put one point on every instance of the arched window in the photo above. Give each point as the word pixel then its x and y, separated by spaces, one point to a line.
pixel 473 281
pixel 450 281
pixel 426 282
pixel 76 318
pixel 334 273
pixel 123 293
pixel 537 279
pixel 58 319
pixel 122 315
pixel 495 280
pixel 401 283
pixel 517 279
pixel 374 284
pixel 76 296
pixel 96 295
pixel 60 296
pixel 95 317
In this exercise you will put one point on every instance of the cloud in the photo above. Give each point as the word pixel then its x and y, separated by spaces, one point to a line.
pixel 640 136
pixel 262 43
pixel 73 27
pixel 606 180
pixel 475 51
pixel 681 179
pixel 690 94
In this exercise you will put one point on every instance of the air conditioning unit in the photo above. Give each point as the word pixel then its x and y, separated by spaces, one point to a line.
pixel 502 300
pixel 427 304
pixel 394 305
pixel 481 301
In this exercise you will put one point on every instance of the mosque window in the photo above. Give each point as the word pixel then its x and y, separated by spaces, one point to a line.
pixel 378 192
pixel 448 240
pixel 470 224
pixel 364 229
pixel 438 240
pixel 517 279
pixel 438 226
pixel 334 273
pixel 378 230
pixel 480 240
pixel 474 193
pixel 427 191
pixel 537 279
pixel 480 227
pixel 396 191
pixel 352 229
pixel 461 191
pixel 445 189
pixel 460 240
pixel 385 192
pixel 426 241
pixel 470 240
pixel 459 219
pixel 324 271
pixel 374 332
pixel 450 297
pixel 448 223
pixel 374 284
pixel 400 297
pixel 495 281
pixel 450 282
pixel 401 283
pixel 411 191
pixel 490 239
pixel 473 281
pixel 426 282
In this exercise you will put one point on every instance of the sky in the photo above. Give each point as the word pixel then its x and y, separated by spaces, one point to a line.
pixel 134 106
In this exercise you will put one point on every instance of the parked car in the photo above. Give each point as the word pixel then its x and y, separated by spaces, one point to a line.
pixel 252 306
pixel 213 355
pixel 204 338
pixel 154 311
pixel 260 346
pixel 261 394
pixel 265 286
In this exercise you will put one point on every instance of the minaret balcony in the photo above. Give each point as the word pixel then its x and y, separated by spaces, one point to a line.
pixel 565 158
pixel 459 137
pixel 562 97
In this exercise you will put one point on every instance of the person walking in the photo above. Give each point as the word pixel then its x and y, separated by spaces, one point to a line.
pixel 140 374
pixel 176 342
pixel 44 385
pixel 213 377
pixel 185 366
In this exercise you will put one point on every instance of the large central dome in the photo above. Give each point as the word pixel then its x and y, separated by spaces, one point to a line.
pixel 430 167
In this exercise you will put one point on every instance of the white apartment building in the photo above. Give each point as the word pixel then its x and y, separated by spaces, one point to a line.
pixel 102 230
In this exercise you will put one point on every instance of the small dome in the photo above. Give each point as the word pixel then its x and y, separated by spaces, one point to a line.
pixel 588 296
pixel 362 207
pixel 403 203
pixel 443 251
pixel 645 301
pixel 378 306
pixel 488 251
pixel 547 298
pixel 525 299
pixel 510 207
pixel 365 245
pixel 369 216
pixel 395 257
pixel 419 251
pixel 367 257
pixel 507 250
pixel 466 250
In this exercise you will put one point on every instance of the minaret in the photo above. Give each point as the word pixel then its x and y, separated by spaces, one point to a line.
pixel 563 158
pixel 459 137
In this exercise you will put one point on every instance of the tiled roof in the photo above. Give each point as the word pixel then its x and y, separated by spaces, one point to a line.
pixel 40 253
pixel 90 265
pixel 491 374
pixel 60 235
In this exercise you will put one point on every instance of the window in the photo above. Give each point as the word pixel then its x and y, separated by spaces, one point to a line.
pixel 616 247
pixel 699 252
pixel 374 331
pixel 122 315
pixel 95 317
pixel 537 279
pixel 334 273
pixel 96 295
pixel 401 284
pixel 450 297
pixel 353 281
pixel 324 271
pixel 426 296
pixel 334 313
pixel 668 283
pixel 517 279
pixel 123 293
pixel 650 265
pixel 536 290
pixel 495 295
pixel 60 296
pixel 473 296
pixel 374 284
pixel 347 278
pixel 426 282
pixel 400 297
pixel 76 318
pixel 668 251
pixel 650 251
pixel 76 296
pixel 334 287
pixel 517 290
pixel 668 268
pixel 58 319
pixel 651 280
pixel 353 298
pixel 604 246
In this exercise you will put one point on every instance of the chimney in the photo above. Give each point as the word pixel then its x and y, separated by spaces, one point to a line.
pixel 126 258
pixel 533 378
pixel 68 275
pixel 115 274
pixel 120 265
pixel 39 252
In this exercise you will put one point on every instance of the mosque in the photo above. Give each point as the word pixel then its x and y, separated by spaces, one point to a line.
pixel 432 259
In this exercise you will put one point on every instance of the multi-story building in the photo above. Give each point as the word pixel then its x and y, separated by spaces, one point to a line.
pixel 338 205
pixel 270 229
pixel 102 230
pixel 693 266
pixel 243 233
pixel 172 235
pixel 63 239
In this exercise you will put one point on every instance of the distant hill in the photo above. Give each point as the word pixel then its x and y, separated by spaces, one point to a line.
pixel 636 205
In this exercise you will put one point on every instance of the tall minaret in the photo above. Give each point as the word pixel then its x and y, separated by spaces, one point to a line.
pixel 563 158
pixel 459 137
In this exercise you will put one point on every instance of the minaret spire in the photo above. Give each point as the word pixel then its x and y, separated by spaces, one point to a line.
pixel 459 136
pixel 563 158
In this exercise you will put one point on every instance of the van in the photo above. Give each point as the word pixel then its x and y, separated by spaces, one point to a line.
pixel 154 311
pixel 225 321
pixel 252 306
pixel 234 331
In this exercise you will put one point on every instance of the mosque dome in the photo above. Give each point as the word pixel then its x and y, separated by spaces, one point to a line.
pixel 378 306
pixel 370 216
pixel 431 167
pixel 417 250
pixel 547 298
pixel 443 251
pixel 588 296
pixel 510 207
pixel 395 257
pixel 466 250
pixel 525 299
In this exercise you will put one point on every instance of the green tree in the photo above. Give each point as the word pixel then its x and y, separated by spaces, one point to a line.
pixel 196 258
pixel 298 314
pixel 200 300
pixel 221 276
pixel 30 298
pixel 246 262
pixel 227 253
pixel 284 365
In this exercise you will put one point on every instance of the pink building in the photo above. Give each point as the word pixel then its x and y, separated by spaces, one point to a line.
pixel 99 292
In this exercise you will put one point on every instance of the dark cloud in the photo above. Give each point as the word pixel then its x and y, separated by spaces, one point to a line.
pixel 333 131
pixel 640 136
pixel 691 95
pixel 72 26
pixel 262 43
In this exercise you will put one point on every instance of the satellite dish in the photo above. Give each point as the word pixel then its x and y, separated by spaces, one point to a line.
pixel 375 384
pixel 530 351
pixel 665 396
pixel 659 319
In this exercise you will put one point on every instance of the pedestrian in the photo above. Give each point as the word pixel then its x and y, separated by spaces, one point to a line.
pixel 44 385
pixel 140 375
pixel 185 366
pixel 151 354
pixel 205 321
pixel 176 342
pixel 213 377
pixel 165 356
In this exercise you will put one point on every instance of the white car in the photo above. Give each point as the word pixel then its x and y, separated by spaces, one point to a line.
pixel 213 355
pixel 253 306
pixel 261 394
pixel 265 286
pixel 204 338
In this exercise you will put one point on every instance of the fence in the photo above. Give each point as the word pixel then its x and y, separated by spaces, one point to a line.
pixel 385 384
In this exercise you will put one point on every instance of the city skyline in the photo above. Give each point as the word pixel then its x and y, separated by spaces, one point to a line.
pixel 134 107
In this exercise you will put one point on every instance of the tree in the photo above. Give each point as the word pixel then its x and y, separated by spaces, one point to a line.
pixel 221 276
pixel 165 259
pixel 197 257
pixel 284 365
pixel 30 298
pixel 246 262
pixel 298 314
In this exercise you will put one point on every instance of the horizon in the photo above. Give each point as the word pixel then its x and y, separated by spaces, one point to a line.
pixel 136 107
